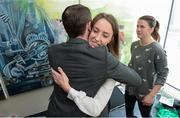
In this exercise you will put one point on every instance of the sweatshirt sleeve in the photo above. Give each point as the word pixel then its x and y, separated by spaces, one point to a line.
pixel 161 66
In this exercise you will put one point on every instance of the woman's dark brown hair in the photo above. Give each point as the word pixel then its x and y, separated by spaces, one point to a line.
pixel 153 23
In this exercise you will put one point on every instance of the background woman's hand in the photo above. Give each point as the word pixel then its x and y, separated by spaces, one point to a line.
pixel 148 100
pixel 61 79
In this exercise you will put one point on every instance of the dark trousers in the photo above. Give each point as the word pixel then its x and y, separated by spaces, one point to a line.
pixel 130 101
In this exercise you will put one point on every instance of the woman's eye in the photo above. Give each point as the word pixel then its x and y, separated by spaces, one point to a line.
pixel 105 35
pixel 95 30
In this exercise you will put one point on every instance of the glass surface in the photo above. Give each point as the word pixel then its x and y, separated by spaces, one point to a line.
pixel 28 27
pixel 127 12
pixel 172 47
pixel 54 8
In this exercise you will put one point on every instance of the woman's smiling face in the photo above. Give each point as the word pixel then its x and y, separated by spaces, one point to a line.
pixel 101 33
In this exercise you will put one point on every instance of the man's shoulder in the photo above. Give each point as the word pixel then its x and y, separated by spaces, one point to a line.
pixel 98 50
pixel 54 46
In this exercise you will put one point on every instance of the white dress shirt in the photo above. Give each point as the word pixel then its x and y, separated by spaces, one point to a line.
pixel 93 106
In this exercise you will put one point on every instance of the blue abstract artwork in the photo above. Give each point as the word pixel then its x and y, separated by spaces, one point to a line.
pixel 26 32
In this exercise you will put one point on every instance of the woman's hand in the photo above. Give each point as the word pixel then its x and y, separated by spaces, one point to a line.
pixel 148 100
pixel 61 79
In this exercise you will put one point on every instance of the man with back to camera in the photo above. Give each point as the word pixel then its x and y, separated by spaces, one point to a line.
pixel 86 67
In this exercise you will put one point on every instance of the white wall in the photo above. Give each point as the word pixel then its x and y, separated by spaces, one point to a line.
pixel 27 103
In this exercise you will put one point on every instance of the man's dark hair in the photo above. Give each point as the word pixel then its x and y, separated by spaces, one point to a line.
pixel 75 18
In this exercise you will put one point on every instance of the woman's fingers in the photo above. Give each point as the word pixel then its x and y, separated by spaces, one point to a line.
pixel 54 72
pixel 63 75
pixel 61 79
pixel 55 75
pixel 60 75
pixel 60 70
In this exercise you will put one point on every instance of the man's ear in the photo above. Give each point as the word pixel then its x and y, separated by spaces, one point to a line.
pixel 89 26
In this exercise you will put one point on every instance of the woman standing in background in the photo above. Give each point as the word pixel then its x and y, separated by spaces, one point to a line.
pixel 149 60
